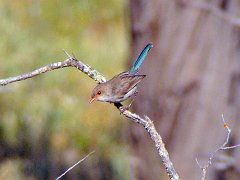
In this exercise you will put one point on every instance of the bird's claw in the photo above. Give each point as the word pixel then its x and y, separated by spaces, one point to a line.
pixel 122 109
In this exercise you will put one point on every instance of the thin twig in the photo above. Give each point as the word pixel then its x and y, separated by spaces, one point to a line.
pixel 69 169
pixel 222 147
pixel 99 78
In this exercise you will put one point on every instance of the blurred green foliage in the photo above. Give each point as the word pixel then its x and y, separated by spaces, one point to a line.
pixel 48 117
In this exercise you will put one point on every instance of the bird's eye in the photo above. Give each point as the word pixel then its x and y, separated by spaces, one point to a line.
pixel 99 93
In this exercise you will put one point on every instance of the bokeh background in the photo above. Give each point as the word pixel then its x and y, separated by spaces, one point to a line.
pixel 193 76
pixel 47 123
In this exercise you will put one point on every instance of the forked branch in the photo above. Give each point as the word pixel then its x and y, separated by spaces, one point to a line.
pixel 222 147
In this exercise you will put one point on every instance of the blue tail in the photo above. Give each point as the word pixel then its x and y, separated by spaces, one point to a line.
pixel 140 58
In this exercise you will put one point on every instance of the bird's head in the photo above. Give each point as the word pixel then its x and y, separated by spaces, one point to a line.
pixel 99 93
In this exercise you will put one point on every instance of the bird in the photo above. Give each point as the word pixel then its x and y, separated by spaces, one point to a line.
pixel 123 85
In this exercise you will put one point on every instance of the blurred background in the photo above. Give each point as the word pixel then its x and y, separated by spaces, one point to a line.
pixel 47 123
pixel 193 76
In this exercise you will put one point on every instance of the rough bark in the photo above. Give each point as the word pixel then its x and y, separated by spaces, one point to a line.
pixel 193 76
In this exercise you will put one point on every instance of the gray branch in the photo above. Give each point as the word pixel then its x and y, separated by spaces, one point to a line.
pixel 95 75
pixel 213 154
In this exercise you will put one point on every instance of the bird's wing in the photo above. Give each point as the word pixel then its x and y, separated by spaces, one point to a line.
pixel 125 82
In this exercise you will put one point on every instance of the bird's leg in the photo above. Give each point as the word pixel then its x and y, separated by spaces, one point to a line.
pixel 118 105
pixel 133 98
pixel 122 108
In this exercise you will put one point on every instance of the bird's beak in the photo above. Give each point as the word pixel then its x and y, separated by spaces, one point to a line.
pixel 93 99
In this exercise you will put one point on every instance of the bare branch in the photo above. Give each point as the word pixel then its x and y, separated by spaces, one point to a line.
pixel 231 147
pixel 156 138
pixel 69 169
pixel 70 62
pixel 222 147
pixel 212 9
pixel 95 75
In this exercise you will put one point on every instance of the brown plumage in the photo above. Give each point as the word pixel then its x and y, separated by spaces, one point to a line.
pixel 117 89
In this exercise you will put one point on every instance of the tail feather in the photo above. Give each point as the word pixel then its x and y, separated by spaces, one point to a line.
pixel 140 58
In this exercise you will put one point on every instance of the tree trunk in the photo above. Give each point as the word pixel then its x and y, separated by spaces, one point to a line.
pixel 193 76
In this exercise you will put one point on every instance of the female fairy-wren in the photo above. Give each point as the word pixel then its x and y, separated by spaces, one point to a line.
pixel 123 85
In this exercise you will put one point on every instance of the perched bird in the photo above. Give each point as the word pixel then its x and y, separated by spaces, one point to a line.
pixel 123 85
